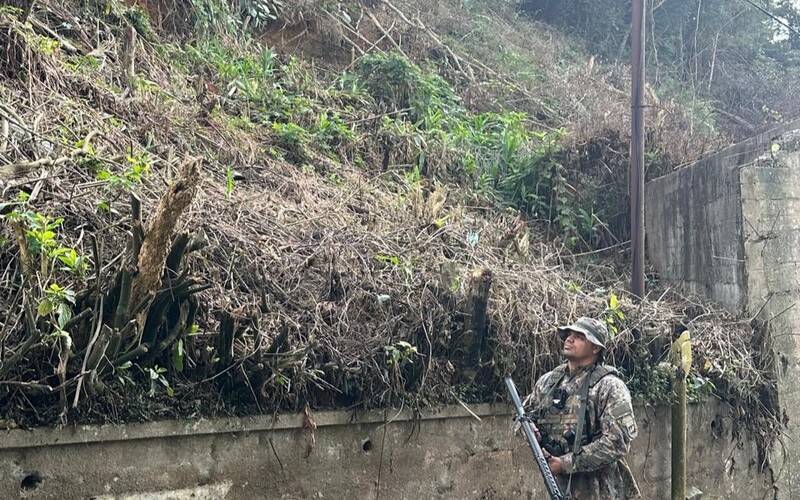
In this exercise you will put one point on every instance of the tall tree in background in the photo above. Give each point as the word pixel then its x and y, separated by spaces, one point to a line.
pixel 731 62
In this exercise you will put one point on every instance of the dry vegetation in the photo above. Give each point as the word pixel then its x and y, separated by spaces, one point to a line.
pixel 320 262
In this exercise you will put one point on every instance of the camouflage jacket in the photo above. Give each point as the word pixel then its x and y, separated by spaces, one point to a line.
pixel 599 470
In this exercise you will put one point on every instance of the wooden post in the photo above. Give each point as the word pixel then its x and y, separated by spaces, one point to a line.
pixel 637 148
pixel 679 438
pixel 682 362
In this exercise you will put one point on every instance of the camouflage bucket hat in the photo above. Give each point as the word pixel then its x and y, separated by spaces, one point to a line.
pixel 594 330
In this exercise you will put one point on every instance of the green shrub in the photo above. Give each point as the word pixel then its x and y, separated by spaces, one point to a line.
pixel 397 83
pixel 251 75
pixel 261 11
pixel 294 139
pixel 498 152
pixel 332 132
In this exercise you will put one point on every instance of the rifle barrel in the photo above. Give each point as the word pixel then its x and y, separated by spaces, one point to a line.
pixel 530 432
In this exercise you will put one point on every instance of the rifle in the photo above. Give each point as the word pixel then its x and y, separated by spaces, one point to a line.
pixel 530 432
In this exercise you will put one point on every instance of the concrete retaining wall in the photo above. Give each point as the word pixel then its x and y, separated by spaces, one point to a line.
pixel 442 454
pixel 694 227
pixel 729 227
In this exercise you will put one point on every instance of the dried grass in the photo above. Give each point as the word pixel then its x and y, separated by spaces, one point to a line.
pixel 320 274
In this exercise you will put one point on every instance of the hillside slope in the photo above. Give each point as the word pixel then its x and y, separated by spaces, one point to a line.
pixel 201 225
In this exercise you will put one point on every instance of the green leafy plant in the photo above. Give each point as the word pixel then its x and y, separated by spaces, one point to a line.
pixel 332 132
pixel 248 78
pixel 42 240
pixel 261 11
pixel 334 178
pixel 177 356
pixel 291 134
pixel 394 260
pixel 393 80
pixel 213 16
pixel 73 262
pixel 123 374
pixel 241 123
pixel 57 302
pixel 399 354
pixel 651 384
pixel 82 63
pixel 613 315
pixel 89 160
pixel 397 262
pixel 229 182
pixel 40 230
pixel 137 169
pixel 46 45
pixel 144 85
pixel 140 21
pixel 574 287
pixel 699 387
pixel 412 177
pixel 350 88
pixel 156 374
pixel 103 206
pixel 293 138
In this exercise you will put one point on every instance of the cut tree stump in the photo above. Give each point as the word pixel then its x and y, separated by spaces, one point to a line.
pixel 129 58
pixel 475 338
pixel 157 239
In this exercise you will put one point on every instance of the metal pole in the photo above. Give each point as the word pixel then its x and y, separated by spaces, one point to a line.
pixel 636 176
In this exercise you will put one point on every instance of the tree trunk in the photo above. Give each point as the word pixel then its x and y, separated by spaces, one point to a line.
pixel 475 326
pixel 129 57
pixel 157 240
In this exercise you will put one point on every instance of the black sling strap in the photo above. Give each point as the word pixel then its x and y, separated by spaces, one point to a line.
pixel 576 448
pixel 584 395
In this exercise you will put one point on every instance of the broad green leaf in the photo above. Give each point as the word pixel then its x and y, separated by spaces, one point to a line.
pixel 178 355
pixel 45 307
pixel 64 314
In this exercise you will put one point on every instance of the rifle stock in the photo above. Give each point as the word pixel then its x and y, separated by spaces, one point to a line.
pixel 530 432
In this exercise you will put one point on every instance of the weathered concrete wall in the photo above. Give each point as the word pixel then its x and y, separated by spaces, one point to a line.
pixel 729 227
pixel 694 221
pixel 771 211
pixel 447 454
pixel 694 227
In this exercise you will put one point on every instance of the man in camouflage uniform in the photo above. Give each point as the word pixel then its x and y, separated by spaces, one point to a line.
pixel 594 467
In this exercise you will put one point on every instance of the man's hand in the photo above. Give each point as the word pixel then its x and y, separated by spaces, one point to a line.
pixel 556 465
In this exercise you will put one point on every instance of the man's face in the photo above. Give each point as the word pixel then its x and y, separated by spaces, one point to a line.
pixel 577 348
